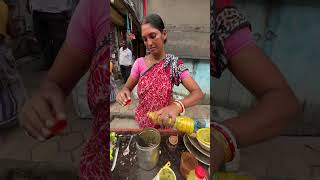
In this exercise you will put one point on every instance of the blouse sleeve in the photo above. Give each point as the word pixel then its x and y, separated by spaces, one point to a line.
pixel 184 70
pixel 231 33
pixel 80 34
pixel 137 68
pixel 237 41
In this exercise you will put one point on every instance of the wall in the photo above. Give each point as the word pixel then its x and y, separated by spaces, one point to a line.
pixel 138 7
pixel 187 23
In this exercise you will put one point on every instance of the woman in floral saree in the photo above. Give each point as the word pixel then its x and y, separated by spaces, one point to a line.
pixel 155 74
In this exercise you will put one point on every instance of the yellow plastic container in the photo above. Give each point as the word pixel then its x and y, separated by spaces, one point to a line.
pixel 182 124
pixel 203 135
pixel 166 173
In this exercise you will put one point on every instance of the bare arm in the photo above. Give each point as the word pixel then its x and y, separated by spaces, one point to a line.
pixel 192 99
pixel 69 66
pixel 196 93
pixel 46 106
pixel 276 103
pixel 131 83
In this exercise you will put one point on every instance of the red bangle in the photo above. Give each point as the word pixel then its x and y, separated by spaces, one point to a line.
pixel 182 105
pixel 229 140
pixel 179 105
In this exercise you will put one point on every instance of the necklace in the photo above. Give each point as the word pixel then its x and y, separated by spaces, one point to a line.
pixel 153 60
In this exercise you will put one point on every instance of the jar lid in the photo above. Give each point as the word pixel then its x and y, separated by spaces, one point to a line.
pixel 173 140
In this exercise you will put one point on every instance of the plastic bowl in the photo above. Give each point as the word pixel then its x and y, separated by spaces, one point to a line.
pixel 203 137
pixel 158 177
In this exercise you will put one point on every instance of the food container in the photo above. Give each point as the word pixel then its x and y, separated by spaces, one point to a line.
pixel 172 143
pixel 148 144
pixel 203 137
pixel 166 173
pixel 187 163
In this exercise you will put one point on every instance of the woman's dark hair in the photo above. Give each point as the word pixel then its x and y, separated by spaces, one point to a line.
pixel 155 21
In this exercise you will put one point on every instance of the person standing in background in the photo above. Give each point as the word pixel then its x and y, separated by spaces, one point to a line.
pixel 125 61
pixel 50 23
pixel 12 91
pixel 113 86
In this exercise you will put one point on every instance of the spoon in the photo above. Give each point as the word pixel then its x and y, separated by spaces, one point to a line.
pixel 127 150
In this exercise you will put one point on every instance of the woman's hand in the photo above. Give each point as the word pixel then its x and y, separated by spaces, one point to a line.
pixel 217 152
pixel 171 111
pixel 124 96
pixel 42 111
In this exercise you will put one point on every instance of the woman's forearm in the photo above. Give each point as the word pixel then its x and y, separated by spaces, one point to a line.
pixel 272 113
pixel 69 66
pixel 196 94
pixel 193 98
pixel 131 83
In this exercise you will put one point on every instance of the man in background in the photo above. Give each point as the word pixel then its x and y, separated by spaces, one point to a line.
pixel 125 60
pixel 50 22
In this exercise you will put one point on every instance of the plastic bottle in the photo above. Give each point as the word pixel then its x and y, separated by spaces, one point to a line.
pixel 199 173
pixel 183 124
pixel 188 162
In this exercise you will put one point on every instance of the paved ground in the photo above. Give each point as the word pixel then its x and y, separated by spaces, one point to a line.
pixel 57 158
pixel 23 158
